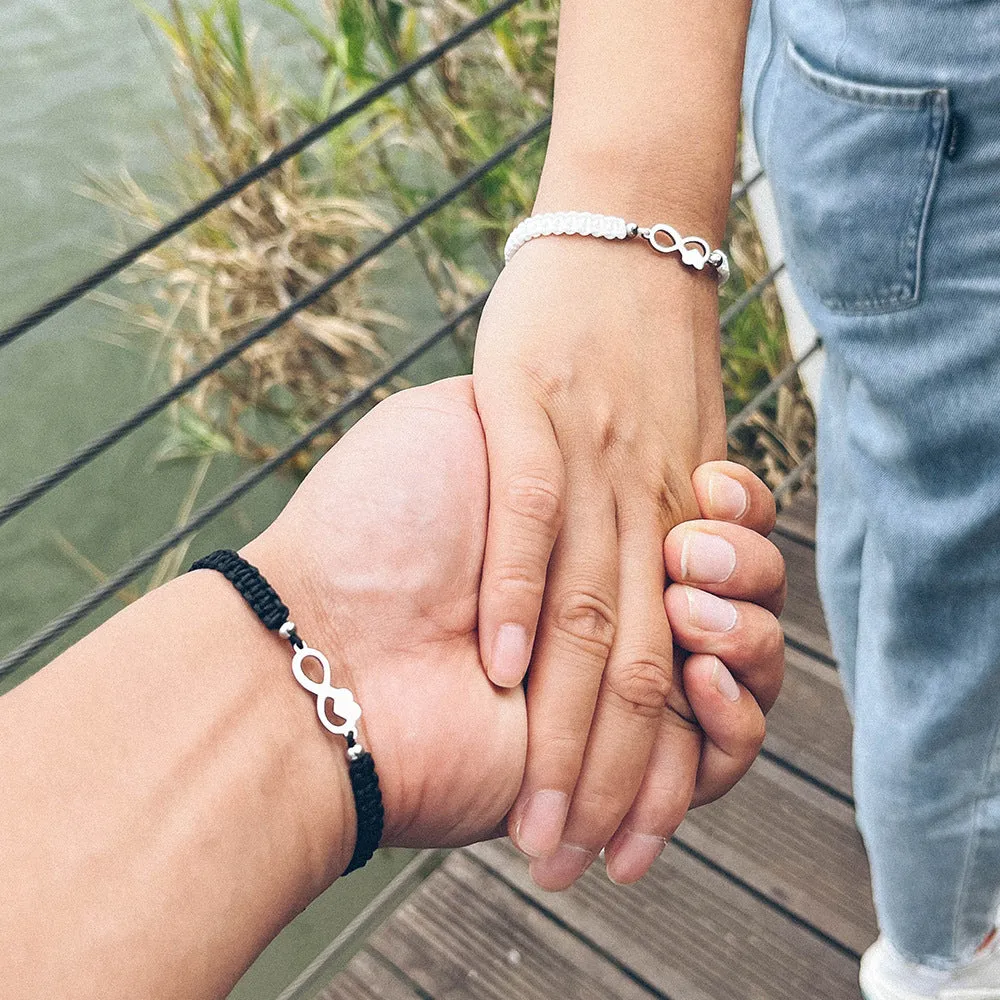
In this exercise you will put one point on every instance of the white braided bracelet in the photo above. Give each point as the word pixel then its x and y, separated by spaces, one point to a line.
pixel 694 251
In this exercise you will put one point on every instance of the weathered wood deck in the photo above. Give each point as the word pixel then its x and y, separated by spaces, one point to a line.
pixel 760 896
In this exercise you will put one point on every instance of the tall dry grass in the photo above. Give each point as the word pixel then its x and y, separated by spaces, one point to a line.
pixel 237 267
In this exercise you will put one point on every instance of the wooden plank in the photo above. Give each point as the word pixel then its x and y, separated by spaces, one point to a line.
pixel 794 843
pixel 798 519
pixel 692 933
pixel 803 616
pixel 690 930
pixel 809 726
pixel 467 934
pixel 367 978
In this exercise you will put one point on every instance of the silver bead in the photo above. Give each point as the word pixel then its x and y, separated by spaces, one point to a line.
pixel 287 629
pixel 354 752
pixel 719 260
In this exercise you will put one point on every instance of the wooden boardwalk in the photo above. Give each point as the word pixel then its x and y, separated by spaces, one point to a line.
pixel 760 896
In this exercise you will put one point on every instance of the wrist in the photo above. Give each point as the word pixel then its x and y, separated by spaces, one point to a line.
pixel 640 182
pixel 324 610
pixel 645 294
pixel 312 805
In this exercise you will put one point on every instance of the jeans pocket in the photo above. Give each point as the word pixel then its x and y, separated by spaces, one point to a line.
pixel 854 166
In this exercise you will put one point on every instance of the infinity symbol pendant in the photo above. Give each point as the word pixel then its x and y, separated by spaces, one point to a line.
pixel 694 250
pixel 344 705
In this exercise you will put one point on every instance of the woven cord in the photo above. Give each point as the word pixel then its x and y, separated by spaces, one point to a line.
pixel 250 582
pixel 271 610
pixel 368 803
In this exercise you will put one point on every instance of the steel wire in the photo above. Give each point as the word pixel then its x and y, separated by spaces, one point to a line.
pixel 234 187
pixel 203 515
pixel 755 291
pixel 786 373
pixel 37 489
pixel 795 477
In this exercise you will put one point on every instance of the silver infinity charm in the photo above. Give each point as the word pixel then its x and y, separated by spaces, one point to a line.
pixel 694 250
pixel 344 705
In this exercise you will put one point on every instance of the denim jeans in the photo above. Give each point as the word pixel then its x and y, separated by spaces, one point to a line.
pixel 878 123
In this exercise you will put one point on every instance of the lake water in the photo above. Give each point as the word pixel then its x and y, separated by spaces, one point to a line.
pixel 84 90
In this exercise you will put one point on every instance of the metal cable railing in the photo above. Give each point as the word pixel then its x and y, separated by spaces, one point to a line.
pixel 85 455
pixel 741 188
pixel 38 488
pixel 203 515
pixel 125 574
pixel 755 291
pixel 807 465
pixel 241 183
pixel 783 377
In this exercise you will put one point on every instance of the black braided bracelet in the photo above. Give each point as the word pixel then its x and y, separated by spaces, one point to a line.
pixel 268 607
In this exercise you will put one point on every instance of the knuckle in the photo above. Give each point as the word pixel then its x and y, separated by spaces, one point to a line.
pixel 643 685
pixel 769 511
pixel 550 383
pixel 780 590
pixel 781 595
pixel 773 641
pixel 773 562
pixel 535 498
pixel 562 752
pixel 756 732
pixel 600 808
pixel 616 433
pixel 585 617
pixel 517 582
pixel 674 500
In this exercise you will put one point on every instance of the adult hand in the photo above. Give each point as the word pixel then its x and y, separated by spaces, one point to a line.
pixel 189 757
pixel 379 554
pixel 728 626
pixel 597 382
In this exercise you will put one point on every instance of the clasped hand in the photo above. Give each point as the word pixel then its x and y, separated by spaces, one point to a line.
pixel 598 384
pixel 380 555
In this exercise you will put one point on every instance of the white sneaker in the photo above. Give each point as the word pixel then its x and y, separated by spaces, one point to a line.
pixel 885 975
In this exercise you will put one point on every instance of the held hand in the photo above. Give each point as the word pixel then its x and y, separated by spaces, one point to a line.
pixel 598 385
pixel 714 727
pixel 378 555
pixel 736 664
pixel 740 636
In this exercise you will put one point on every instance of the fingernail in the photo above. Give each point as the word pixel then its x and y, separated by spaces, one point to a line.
pixel 538 830
pixel 727 497
pixel 562 869
pixel 510 656
pixel 708 612
pixel 630 861
pixel 724 683
pixel 706 558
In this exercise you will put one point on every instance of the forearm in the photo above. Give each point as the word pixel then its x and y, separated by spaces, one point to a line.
pixel 646 109
pixel 167 803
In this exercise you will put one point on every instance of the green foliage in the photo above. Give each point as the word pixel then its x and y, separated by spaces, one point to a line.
pixel 275 240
